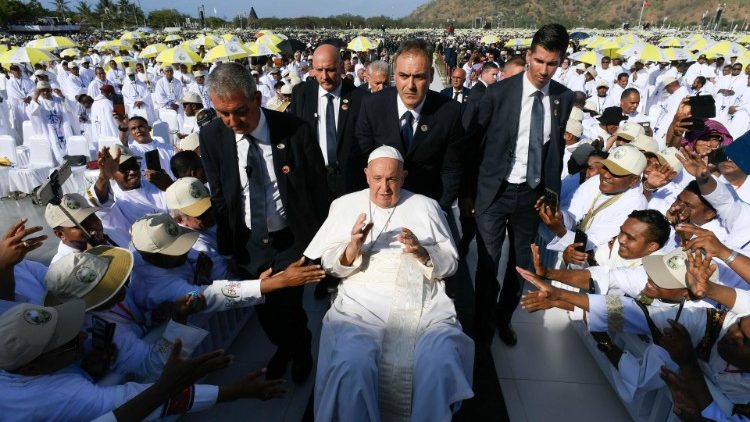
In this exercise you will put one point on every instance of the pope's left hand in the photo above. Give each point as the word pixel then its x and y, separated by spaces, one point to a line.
pixel 412 246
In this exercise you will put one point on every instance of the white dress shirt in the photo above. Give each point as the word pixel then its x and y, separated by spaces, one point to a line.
pixel 275 212
pixel 416 112
pixel 521 156
pixel 322 107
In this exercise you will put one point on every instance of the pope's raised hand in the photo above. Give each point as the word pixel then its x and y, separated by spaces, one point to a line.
pixel 412 245
pixel 359 235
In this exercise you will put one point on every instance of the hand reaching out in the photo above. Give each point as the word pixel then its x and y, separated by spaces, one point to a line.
pixel 412 245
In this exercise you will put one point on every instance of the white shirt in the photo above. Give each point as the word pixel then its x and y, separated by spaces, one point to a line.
pixel 275 212
pixel 322 116
pixel 521 156
pixel 416 112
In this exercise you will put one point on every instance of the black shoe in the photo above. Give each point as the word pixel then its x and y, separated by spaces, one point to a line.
pixel 302 366
pixel 277 365
pixel 507 335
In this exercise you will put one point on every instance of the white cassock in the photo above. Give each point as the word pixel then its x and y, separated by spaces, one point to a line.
pixel 133 91
pixel 87 75
pixel 202 92
pixel 94 89
pixel 117 76
pixel 391 347
pixel 166 94
pixel 18 90
pixel 5 125
pixel 102 121
pixel 48 118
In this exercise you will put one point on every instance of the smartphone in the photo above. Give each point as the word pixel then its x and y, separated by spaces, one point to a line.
pixel 119 109
pixel 152 160
pixel 581 237
pixel 551 199
pixel 102 333
pixel 702 107
pixel 697 125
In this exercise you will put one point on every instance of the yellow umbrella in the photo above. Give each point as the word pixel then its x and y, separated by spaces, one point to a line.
pixel 3 48
pixel 490 39
pixel 172 37
pixel 207 41
pixel 744 40
pixel 26 55
pixel 270 38
pixel 589 57
pixel 230 38
pixel 629 39
pixel 134 35
pixel 178 55
pixel 592 41
pixel 699 44
pixel 52 43
pixel 609 47
pixel 258 49
pixel 225 52
pixel 645 52
pixel 119 44
pixel 695 37
pixel 671 42
pixel 518 42
pixel 361 44
pixel 727 49
pixel 152 50
pixel 679 54
pixel 70 52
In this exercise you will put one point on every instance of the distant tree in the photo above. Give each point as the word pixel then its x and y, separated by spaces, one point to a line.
pixel 84 11
pixel 166 17
pixel 62 8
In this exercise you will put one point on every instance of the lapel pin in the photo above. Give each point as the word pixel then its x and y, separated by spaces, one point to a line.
pixel 557 102
pixel 345 106
pixel 423 128
pixel 280 146
pixel 285 169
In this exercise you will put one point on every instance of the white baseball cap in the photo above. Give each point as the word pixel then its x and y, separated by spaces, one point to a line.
pixel 129 71
pixel 28 330
pixel 199 73
pixel 625 160
pixel 669 271
pixel 95 276
pixel 286 89
pixel 581 66
pixel 591 105
pixel 576 114
pixel 43 85
pixel 669 80
pixel 645 143
pixel 190 142
pixel 669 157
pixel 591 71
pixel 385 151
pixel 125 153
pixel 574 127
pixel 188 195
pixel 75 205
pixel 40 72
pixel 191 97
pixel 602 84
pixel 629 131
pixel 158 233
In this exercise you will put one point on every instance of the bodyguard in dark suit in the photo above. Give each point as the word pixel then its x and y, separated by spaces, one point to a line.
pixel 310 102
pixel 457 91
pixel 270 198
pixel 523 119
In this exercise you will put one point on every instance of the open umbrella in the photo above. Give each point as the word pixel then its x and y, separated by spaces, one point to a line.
pixel 256 49
pixel 700 44
pixel 289 46
pixel 3 48
pixel 70 52
pixel 119 45
pixel 361 43
pixel 268 37
pixel 589 57
pixel 671 42
pixel 178 55
pixel 207 41
pixel 152 50
pixel 172 37
pixel 131 35
pixel 727 49
pixel 26 55
pixel 226 52
pixel 629 38
pixel 592 41
pixel 679 54
pixel 645 52
pixel 609 47
pixel 743 40
pixel 490 39
pixel 52 43
pixel 579 35
pixel 227 38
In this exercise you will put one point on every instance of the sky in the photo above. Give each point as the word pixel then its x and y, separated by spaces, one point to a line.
pixel 289 8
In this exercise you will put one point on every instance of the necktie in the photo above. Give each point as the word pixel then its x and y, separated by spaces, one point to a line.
pixel 536 141
pixel 455 95
pixel 407 132
pixel 256 185
pixel 330 131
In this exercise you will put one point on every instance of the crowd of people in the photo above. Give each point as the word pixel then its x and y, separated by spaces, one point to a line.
pixel 310 168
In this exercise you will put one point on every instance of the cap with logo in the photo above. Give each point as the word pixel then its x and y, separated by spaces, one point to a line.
pixel 188 195
pixel 668 157
pixel 199 73
pixel 125 153
pixel 27 331
pixel 625 160
pixel 190 142
pixel 669 271
pixel 40 72
pixel 158 233
pixel 191 97
pixel 602 84
pixel 629 130
pixel 669 80
pixel 645 143
pixel 75 205
pixel 95 276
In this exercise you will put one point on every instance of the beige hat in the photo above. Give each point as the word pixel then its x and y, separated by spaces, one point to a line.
pixel 602 83
pixel 125 153
pixel 576 114
pixel 591 71
pixel 27 331
pixel 158 233
pixel 669 80
pixel 574 127
pixel 129 71
pixel 254 72
pixel 629 130
pixel 43 85
pixel 669 157
pixel 385 151
pixel 669 271
pixel 40 72
pixel 581 67
pixel 166 66
pixel 591 105
pixel 199 73
pixel 191 97
pixel 625 160
pixel 188 195
pixel 95 276
pixel 190 142
pixel 286 89
pixel 645 143
pixel 75 205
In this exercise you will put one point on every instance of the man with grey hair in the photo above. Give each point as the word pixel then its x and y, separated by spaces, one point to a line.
pixel 268 201
pixel 377 76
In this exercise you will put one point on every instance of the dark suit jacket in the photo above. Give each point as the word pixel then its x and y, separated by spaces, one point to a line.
pixel 498 119
pixel 349 175
pixel 299 170
pixel 434 157
pixel 448 92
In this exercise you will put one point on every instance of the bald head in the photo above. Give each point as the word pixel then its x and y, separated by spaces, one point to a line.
pixel 327 67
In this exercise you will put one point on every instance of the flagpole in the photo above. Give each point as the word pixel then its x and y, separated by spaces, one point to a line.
pixel 640 18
